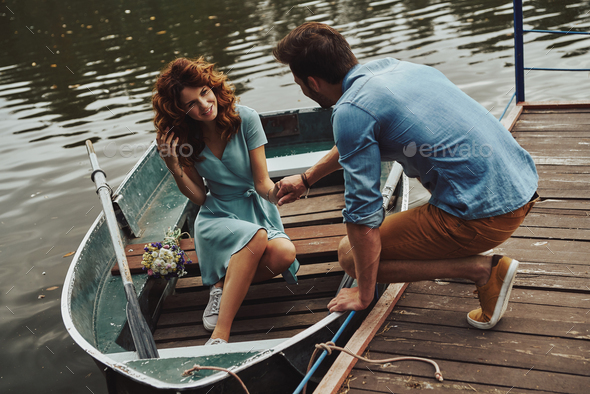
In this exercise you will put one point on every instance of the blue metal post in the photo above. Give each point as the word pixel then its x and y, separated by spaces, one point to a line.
pixel 323 355
pixel 518 50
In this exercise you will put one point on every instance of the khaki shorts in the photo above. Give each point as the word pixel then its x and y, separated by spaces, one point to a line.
pixel 428 233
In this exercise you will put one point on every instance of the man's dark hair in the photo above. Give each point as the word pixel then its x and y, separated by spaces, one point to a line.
pixel 316 50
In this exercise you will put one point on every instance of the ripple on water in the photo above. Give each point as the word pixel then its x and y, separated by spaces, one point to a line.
pixel 96 83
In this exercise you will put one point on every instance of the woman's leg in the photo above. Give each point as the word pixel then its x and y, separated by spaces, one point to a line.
pixel 238 277
pixel 278 256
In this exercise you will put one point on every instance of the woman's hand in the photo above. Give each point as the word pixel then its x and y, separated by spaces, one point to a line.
pixel 167 148
pixel 274 199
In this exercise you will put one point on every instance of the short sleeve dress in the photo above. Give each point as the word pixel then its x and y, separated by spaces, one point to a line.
pixel 233 211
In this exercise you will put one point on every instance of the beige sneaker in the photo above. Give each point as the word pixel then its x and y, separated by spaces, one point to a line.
pixel 211 312
pixel 494 295
pixel 216 341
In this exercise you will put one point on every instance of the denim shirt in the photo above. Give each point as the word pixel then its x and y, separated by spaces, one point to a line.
pixel 410 113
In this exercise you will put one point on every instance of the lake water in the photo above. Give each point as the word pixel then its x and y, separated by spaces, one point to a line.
pixel 77 70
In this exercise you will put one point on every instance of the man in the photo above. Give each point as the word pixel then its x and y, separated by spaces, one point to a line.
pixel 482 182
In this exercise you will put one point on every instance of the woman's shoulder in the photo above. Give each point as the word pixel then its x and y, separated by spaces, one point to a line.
pixel 246 112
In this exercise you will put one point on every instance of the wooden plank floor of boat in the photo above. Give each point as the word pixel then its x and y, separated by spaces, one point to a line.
pixel 541 345
pixel 273 309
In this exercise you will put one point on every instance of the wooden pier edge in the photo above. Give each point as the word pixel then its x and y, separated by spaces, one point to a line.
pixel 336 375
pixel 512 117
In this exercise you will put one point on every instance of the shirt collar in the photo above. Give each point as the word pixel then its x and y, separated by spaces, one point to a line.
pixel 347 81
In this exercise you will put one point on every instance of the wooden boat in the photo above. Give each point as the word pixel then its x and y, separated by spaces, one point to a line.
pixel 278 324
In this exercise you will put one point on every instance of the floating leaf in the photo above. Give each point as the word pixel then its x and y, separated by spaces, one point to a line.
pixel 69 254
pixel 52 288
pixel 161 32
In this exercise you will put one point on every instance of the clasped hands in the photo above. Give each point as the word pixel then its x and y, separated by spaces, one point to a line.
pixel 291 189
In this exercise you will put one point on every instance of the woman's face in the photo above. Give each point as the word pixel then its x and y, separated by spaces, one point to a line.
pixel 200 103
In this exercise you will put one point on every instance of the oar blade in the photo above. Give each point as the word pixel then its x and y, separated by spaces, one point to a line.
pixel 140 331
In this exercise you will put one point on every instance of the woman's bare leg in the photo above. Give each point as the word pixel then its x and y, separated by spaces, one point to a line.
pixel 240 271
pixel 278 256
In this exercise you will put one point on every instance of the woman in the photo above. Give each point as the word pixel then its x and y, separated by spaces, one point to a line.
pixel 239 237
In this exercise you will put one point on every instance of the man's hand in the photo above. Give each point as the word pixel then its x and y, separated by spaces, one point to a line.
pixel 347 300
pixel 292 188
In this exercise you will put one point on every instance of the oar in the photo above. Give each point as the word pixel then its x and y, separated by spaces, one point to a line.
pixel 140 331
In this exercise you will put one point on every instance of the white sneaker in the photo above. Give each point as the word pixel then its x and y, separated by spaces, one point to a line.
pixel 216 341
pixel 211 312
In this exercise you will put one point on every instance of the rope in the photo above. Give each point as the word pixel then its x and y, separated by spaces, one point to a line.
pixel 329 346
pixel 189 372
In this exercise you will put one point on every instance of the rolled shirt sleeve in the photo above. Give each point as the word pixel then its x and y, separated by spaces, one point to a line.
pixel 356 132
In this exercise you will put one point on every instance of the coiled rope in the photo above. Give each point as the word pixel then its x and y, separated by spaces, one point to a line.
pixel 329 346
pixel 189 372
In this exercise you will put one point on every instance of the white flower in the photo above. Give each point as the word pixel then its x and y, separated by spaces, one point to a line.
pixel 154 254
pixel 163 272
pixel 158 263
pixel 173 265
pixel 166 254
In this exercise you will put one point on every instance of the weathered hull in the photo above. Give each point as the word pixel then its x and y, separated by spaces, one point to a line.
pixel 280 373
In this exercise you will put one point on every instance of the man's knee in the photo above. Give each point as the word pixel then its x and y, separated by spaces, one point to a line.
pixel 345 257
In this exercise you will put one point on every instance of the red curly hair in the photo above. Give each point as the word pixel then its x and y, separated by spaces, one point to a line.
pixel 182 73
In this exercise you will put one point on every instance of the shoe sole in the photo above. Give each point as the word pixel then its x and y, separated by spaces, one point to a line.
pixel 502 301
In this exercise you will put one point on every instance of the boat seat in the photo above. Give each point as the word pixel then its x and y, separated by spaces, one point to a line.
pixel 310 242
pixel 313 224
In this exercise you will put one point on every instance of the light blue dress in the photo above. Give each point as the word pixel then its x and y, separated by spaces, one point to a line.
pixel 233 211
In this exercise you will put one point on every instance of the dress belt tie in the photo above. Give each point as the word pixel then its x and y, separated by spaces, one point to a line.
pixel 247 194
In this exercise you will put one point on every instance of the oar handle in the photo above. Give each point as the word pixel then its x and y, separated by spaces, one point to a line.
pixel 103 190
pixel 140 331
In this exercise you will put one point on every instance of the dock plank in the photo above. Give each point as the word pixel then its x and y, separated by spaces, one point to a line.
pixel 502 378
pixel 464 291
pixel 490 347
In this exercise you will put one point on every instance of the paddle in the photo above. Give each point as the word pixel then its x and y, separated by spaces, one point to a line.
pixel 140 331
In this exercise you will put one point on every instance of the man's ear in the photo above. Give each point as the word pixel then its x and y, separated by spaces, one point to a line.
pixel 313 83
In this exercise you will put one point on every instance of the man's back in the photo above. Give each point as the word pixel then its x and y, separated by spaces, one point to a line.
pixel 416 116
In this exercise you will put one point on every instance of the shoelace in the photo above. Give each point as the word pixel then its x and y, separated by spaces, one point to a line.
pixel 215 305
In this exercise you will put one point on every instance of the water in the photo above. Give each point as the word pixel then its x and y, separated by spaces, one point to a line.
pixel 72 70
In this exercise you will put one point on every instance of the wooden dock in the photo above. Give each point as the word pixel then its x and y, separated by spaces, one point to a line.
pixel 542 343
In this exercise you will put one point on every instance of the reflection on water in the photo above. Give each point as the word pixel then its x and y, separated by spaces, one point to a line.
pixel 71 71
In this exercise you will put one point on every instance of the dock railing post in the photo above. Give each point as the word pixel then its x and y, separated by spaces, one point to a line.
pixel 518 50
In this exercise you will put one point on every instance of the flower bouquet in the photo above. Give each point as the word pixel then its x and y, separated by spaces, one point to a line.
pixel 165 259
